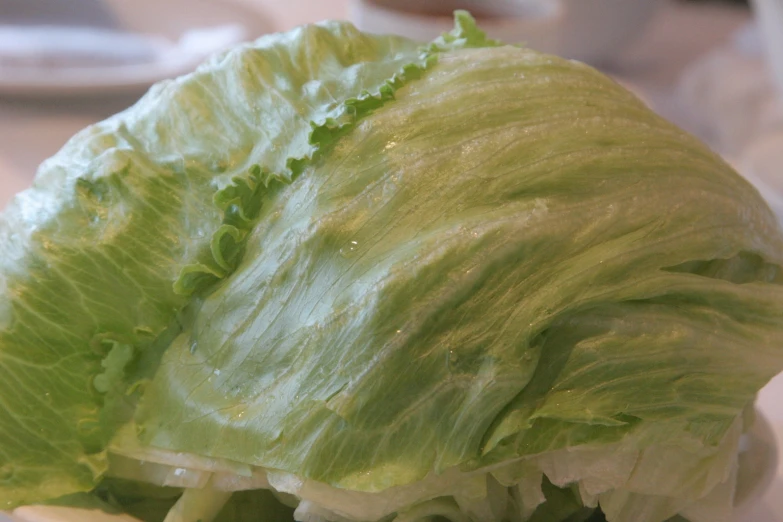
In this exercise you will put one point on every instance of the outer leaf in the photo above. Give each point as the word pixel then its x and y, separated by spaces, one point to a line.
pixel 513 257
pixel 91 253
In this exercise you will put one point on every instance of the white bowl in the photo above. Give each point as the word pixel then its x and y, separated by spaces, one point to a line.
pixel 588 30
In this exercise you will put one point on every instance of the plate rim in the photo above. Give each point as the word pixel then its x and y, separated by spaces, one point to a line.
pixel 121 79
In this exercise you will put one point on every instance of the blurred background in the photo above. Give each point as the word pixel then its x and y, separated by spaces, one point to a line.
pixel 708 65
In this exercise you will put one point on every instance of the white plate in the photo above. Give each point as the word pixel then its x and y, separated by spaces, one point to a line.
pixel 206 25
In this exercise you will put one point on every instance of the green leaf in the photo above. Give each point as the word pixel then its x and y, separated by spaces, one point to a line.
pixel 84 501
pixel 393 281
pixel 114 496
pixel 255 506
pixel 561 505
pixel 143 501
pixel 140 212
pixel 469 277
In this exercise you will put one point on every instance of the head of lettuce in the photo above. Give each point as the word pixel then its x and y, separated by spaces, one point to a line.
pixel 371 280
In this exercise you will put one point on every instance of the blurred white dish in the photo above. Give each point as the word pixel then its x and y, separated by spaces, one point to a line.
pixel 729 96
pixel 762 164
pixel 730 101
pixel 593 31
pixel 153 41
pixel 758 465
pixel 769 14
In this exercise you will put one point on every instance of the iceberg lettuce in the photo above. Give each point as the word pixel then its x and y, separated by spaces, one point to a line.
pixel 387 281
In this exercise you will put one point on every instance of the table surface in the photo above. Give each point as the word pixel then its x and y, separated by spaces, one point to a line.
pixel 33 130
